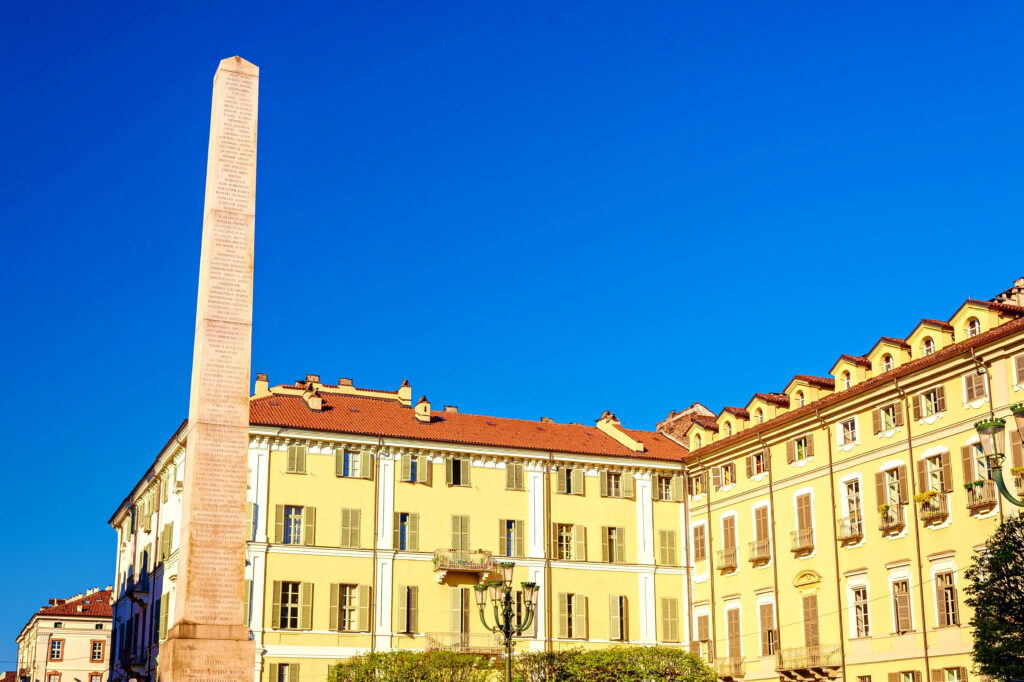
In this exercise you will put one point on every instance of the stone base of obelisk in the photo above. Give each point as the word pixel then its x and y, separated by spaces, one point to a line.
pixel 199 653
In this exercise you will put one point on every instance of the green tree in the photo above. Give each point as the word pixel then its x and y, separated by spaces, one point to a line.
pixel 995 591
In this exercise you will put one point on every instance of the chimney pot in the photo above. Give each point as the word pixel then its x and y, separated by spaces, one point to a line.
pixel 423 410
pixel 344 381
pixel 405 394
pixel 313 378
pixel 547 420
pixel 451 408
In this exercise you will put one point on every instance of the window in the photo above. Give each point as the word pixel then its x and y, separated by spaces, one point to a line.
pixel 56 649
pixel 515 476
pixel 296 460
pixel 852 496
pixel 704 637
pixel 800 399
pixel 511 537
pixel 58 625
pixel 290 605
pixel 350 464
pixel 284 672
pixel 887 418
pixel 292 525
pixel 617 618
pixel 909 677
pixel 53 677
pixel 860 612
pixel 732 630
pixel 415 468
pixel 933 478
pixel 723 475
pixel 669 619
pixel 697 483
pixel 1018 366
pixel 847 381
pixel 863 678
pixel 667 548
pixel 767 613
pixel 945 596
pixel 954 675
pixel 975 387
pixel 564 541
pixel 887 363
pixel 613 544
pixel 664 487
pixel 901 606
pixel 350 526
pixel 699 544
pixel 572 616
pixel 759 416
pixel 96 652
pixel 521 616
pixel 973 327
pixel 456 471
pixel 893 487
pixel 799 448
pixel 348 608
pixel 929 403
pixel 460 533
pixel 99 626
pixel 757 464
pixel 569 481
pixel 95 677
pixel 616 484
pixel 728 429
pixel 696 439
pixel 407 531
pixel 848 432
pixel 928 346
pixel 975 464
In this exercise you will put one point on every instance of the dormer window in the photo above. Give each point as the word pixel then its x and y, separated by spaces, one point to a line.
pixel 799 398
pixel 847 381
pixel 728 429
pixel 973 327
pixel 696 440
pixel 759 416
pixel 887 363
pixel 928 347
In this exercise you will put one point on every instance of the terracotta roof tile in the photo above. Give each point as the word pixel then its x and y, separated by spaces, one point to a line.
pixel 821 382
pixel 709 423
pixel 95 605
pixel 387 418
pixel 892 340
pixel 937 323
pixel 737 411
pixel 774 398
pixel 855 359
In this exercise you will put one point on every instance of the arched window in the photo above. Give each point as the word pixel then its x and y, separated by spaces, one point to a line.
pixel 973 327
pixel 799 398
pixel 846 380
pixel 728 429
pixel 887 363
pixel 696 440
pixel 928 347
pixel 759 415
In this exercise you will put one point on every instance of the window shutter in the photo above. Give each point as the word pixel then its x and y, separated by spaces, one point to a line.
pixel 502 544
pixel 938 675
pixel 703 631
pixel 627 485
pixel 898 411
pixel 456 532
pixel 414 609
pixel 510 476
pixel 448 463
pixel 407 468
pixel 672 550
pixel 466 465
pixel 967 461
pixel 396 532
pixel 346 528
pixel 1016 450
pixel 620 545
pixel 165 607
pixel 689 484
pixel 520 477
pixel 810 445
pixel 902 473
pixel 300 459
pixel 750 466
pixel 729 532
pixel 520 532
pixel 876 421
pixel 308 525
pixel 563 615
pixel 275 672
pixel 811 620
pixel 579 534
pixel 614 619
pixel 412 533
pixel 922 474
pixel 339 464
pixel 716 477
pixel 335 605
pixel 699 545
pixel 665 634
pixel 761 523
pixel 455 610
pixel 677 488
pixel 579 616
pixel 940 394
pixel 943 621
pixel 766 455
pixel 880 488
pixel 893 677
pixel 604 544
pixel 803 511
pixel 553 549
pixel 278 523
pixel 356 518
pixel 902 596
pixel 604 484
pixel 560 480
pixel 363 606
pixel 365 468
pixel 403 609
pixel 465 533
pixel 291 462
pixel 577 482
pixel 275 615
pixel 306 606
pixel 947 472
pixel 790 451
pixel 767 624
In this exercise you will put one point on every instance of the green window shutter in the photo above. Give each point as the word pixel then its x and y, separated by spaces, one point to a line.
pixel 620 545
pixel 456 532
pixel 406 468
pixel 339 462
pixel 275 672
pixel 672 551
pixel 356 522
pixel 677 488
pixel 501 538
pixel 466 466
pixel 455 606
pixel 614 618
pixel 448 470
pixel 365 470
pixel 579 533
pixel 577 481
pixel 560 480
pixel 165 604
pixel 604 484
pixel 403 609
pixel 510 476
pixel 627 485
pixel 308 526
pixel 604 544
pixel 293 673
pixel 520 532
pixel 300 459
pixel 346 528
pixel 579 616
pixel 306 606
pixel 247 598
pixel 275 614
pixel 414 609
pixel 396 535
pixel 563 615
pixel 412 535
pixel 278 523
pixel 465 533
pixel 335 605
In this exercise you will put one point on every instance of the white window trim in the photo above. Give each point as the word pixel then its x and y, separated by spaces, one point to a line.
pixel 1018 361
pixel 839 433
pixel 974 404
pixel 853 583
pixel 931 418
pixel 946 564
pixel 895 575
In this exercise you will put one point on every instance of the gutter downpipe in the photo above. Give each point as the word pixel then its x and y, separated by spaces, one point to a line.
pixel 711 563
pixel 686 548
pixel 775 553
pixel 548 643
pixel 981 367
pixel 911 468
pixel 835 538
pixel 373 578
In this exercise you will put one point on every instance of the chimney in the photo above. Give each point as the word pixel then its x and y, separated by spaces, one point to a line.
pixel 80 608
pixel 344 381
pixel 405 394
pixel 451 408
pixel 312 378
pixel 423 410
pixel 609 425
pixel 547 420
pixel 262 385
pixel 313 400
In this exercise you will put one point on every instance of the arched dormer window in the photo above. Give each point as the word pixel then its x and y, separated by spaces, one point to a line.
pixel 928 347
pixel 696 440
pixel 847 381
pixel 973 327
pixel 728 429
pixel 759 416
pixel 799 398
pixel 887 363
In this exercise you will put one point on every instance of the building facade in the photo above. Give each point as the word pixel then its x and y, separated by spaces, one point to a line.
pixel 68 640
pixel 820 532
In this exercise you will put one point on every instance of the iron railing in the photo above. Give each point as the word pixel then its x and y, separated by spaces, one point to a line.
pixel 760 551
pixel 727 559
pixel 809 657
pixel 892 520
pixel 803 540
pixel 851 528
pixel 464 642
pixel 1018 482
pixel 730 667
pixel 982 496
pixel 936 509
pixel 462 560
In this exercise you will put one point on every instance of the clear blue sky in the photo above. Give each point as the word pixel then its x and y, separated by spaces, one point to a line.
pixel 526 211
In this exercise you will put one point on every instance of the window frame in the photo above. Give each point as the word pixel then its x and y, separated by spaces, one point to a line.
pixel 59 643
pixel 92 650
pixel 293 530
pixel 290 611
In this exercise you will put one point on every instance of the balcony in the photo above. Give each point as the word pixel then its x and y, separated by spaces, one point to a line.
pixel 760 551
pixel 891 519
pixel 464 643
pixel 1018 483
pixel 462 560
pixel 803 540
pixel 935 509
pixel 138 590
pixel 809 663
pixel 982 497
pixel 851 529
pixel 727 559
pixel 730 668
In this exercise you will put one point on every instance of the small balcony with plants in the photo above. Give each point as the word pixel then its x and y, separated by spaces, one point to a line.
pixel 462 560
pixel 891 518
pixel 981 496
pixel 933 506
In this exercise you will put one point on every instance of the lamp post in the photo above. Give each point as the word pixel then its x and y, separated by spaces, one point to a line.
pixel 991 432
pixel 500 592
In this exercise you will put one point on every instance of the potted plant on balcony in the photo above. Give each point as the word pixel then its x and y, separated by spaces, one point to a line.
pixel 925 497
pixel 1017 471
pixel 883 509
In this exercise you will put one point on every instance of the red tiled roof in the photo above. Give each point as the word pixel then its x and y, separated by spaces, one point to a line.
pixel 998 305
pixel 855 359
pixel 776 398
pixel 821 382
pixel 902 343
pixel 738 411
pixel 387 418
pixel 937 323
pixel 709 423
pixel 95 605
pixel 9 676
pixel 903 370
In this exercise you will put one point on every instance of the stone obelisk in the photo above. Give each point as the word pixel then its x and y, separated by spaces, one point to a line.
pixel 207 639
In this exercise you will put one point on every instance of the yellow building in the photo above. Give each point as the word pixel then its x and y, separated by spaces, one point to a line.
pixel 762 547
pixel 831 523
pixel 67 640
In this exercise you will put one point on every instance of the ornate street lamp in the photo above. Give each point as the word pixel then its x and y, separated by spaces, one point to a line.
pixel 504 611
pixel 991 432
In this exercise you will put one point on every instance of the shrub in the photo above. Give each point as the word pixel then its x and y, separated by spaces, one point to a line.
pixel 399 666
pixel 615 664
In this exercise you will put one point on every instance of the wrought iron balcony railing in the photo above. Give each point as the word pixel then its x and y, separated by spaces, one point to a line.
pixel 892 520
pixel 760 551
pixel 851 529
pixel 730 667
pixel 936 509
pixel 809 658
pixel 463 560
pixel 803 540
pixel 981 497
pixel 464 642
pixel 727 559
